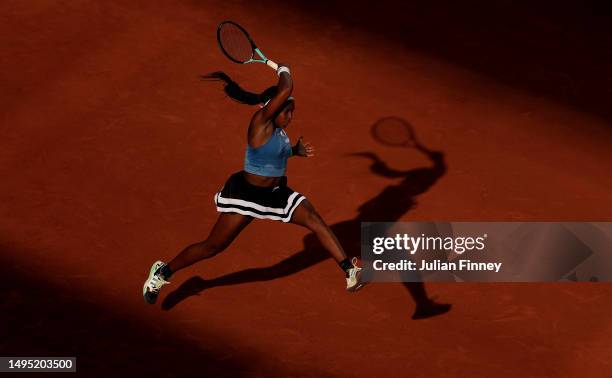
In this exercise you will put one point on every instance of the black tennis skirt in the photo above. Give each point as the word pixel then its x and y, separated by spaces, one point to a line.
pixel 238 196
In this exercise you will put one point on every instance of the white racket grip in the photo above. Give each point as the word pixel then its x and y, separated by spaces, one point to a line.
pixel 272 65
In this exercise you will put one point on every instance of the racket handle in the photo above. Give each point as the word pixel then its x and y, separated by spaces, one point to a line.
pixel 272 65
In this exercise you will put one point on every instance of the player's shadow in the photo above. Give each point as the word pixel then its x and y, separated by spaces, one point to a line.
pixel 388 206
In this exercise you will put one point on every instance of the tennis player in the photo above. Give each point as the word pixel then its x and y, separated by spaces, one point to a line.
pixel 260 190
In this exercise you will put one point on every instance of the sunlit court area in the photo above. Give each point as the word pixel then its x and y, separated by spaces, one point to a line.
pixel 114 147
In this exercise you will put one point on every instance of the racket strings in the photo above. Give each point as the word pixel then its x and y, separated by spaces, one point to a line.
pixel 235 43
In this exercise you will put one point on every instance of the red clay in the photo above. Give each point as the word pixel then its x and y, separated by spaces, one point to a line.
pixel 112 149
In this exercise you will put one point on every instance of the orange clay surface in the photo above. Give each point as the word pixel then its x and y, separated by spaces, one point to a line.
pixel 111 150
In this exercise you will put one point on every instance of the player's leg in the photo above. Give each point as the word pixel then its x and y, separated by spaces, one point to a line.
pixel 225 230
pixel 223 233
pixel 305 215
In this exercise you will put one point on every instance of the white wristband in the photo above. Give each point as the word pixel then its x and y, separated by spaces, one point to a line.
pixel 282 69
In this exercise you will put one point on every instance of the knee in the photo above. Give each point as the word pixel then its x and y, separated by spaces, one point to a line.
pixel 314 222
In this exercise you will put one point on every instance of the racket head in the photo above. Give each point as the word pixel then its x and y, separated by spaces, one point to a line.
pixel 235 42
pixel 394 132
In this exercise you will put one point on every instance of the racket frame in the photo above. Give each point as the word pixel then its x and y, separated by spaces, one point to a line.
pixel 407 128
pixel 255 49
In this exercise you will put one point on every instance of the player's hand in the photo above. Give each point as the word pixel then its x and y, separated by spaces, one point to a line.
pixel 304 149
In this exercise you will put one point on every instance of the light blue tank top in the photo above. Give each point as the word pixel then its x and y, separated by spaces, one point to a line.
pixel 270 159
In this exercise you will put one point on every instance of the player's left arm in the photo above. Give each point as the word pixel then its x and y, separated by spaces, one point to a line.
pixel 304 149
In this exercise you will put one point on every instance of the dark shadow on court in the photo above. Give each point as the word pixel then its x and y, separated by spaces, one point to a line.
pixel 558 49
pixel 39 318
pixel 388 206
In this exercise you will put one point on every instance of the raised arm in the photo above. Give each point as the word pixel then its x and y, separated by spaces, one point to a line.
pixel 285 87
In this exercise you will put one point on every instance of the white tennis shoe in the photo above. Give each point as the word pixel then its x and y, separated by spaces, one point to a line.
pixel 154 283
pixel 353 281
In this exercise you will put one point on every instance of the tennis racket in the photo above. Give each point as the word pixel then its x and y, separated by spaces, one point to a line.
pixel 395 132
pixel 238 45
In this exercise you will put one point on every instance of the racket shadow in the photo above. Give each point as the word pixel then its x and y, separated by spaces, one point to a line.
pixel 393 202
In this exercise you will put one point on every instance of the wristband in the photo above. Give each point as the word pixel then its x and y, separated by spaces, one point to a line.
pixel 282 69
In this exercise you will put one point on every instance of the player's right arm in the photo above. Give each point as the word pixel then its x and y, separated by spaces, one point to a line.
pixel 285 87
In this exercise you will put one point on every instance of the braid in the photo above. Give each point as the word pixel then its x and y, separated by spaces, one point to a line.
pixel 237 93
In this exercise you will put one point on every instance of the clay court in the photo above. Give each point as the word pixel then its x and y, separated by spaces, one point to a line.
pixel 112 149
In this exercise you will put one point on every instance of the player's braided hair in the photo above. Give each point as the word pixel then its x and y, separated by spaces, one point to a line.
pixel 236 93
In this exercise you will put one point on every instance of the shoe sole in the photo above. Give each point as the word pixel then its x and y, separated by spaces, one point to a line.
pixel 355 288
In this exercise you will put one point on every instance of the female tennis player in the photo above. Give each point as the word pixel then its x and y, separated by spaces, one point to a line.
pixel 260 190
